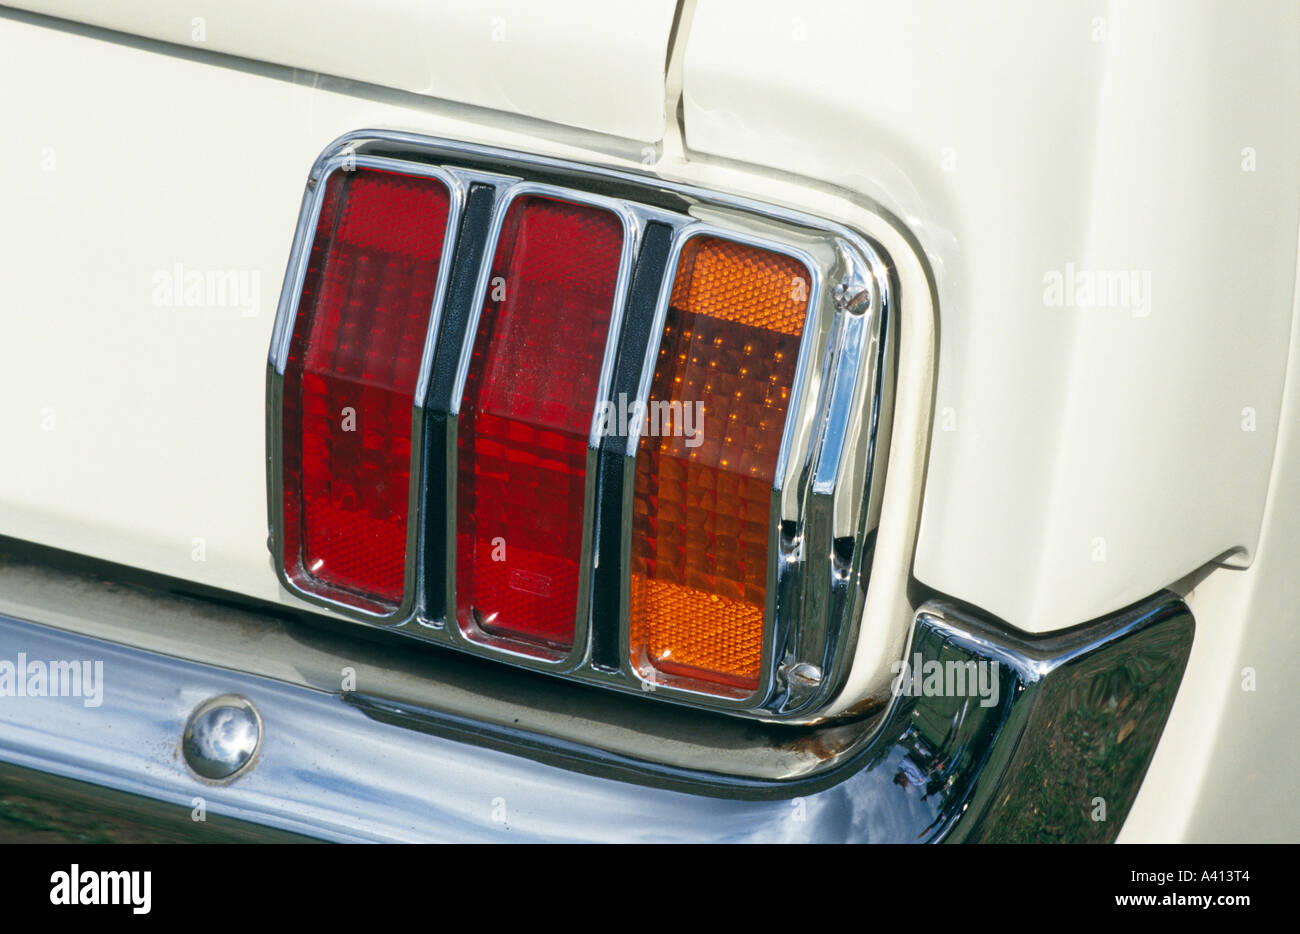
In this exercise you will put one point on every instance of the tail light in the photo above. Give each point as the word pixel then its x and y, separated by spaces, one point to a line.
pixel 626 432
pixel 350 381
pixel 703 497
pixel 525 419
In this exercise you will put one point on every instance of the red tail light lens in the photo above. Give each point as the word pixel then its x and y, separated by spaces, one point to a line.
pixel 350 381
pixel 703 495
pixel 525 419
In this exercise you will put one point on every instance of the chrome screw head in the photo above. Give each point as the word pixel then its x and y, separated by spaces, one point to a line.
pixel 804 674
pixel 851 297
pixel 222 737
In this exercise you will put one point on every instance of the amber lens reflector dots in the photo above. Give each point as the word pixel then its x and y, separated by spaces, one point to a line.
pixel 703 489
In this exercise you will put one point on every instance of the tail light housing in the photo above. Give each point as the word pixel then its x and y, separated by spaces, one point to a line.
pixel 646 421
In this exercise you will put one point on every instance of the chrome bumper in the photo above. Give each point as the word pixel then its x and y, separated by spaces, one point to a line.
pixel 1076 719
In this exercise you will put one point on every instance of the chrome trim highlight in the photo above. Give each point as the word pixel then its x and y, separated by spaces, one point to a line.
pixel 1079 717
pixel 352 767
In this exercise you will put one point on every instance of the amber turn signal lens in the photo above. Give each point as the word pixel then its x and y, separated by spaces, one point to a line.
pixel 706 464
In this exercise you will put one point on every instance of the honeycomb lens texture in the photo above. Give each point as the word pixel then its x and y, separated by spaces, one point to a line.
pixel 526 416
pixel 706 464
pixel 350 381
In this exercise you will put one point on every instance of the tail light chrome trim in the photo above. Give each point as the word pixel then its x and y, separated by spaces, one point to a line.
pixel 829 477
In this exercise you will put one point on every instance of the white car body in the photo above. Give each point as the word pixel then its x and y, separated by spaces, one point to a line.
pixel 1094 208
